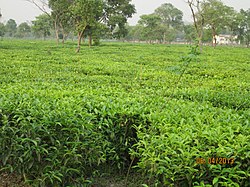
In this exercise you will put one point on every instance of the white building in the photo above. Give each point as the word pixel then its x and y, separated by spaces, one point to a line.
pixel 225 39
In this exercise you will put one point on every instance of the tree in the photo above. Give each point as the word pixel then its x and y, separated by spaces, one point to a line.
pixel 116 14
pixel 61 16
pixel 23 30
pixel 2 29
pixel 86 14
pixel 198 19
pixel 170 15
pixel 241 26
pixel 152 28
pixel 216 16
pixel 171 20
pixel 11 27
pixel 90 15
pixel 189 31
pixel 134 32
pixel 42 26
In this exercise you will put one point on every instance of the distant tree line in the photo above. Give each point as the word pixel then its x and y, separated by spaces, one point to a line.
pixel 211 18
pixel 96 19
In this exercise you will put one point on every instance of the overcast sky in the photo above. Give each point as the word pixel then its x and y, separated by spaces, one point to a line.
pixel 23 11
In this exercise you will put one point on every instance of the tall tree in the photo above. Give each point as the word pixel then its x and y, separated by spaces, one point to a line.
pixel 151 27
pixel 189 31
pixel 216 16
pixel 11 27
pixel 23 30
pixel 198 19
pixel 57 16
pixel 61 15
pixel 170 15
pixel 171 20
pixel 2 29
pixel 85 14
pixel 116 14
pixel 42 26
pixel 91 14
pixel 241 26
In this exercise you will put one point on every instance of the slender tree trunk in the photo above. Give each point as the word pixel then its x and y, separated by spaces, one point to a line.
pixel 56 31
pixel 63 39
pixel 80 34
pixel 90 40
pixel 63 33
pixel 248 41
pixel 83 39
pixel 198 27
pixel 214 38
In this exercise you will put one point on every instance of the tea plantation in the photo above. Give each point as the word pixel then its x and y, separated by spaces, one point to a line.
pixel 139 110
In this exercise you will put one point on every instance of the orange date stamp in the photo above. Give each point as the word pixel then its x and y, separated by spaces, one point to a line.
pixel 214 160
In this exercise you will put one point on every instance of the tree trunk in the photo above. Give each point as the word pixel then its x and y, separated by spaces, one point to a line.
pixel 80 34
pixel 248 41
pixel 198 28
pixel 63 34
pixel 56 31
pixel 90 40
pixel 214 38
pixel 214 41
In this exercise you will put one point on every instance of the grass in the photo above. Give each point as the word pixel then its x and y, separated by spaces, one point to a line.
pixel 109 104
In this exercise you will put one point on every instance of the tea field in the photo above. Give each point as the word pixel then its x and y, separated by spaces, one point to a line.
pixel 136 112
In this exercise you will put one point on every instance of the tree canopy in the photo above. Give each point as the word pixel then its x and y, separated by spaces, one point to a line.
pixel 42 26
pixel 170 15
pixel 11 27
pixel 216 16
pixel 23 30
pixel 162 25
pixel 242 26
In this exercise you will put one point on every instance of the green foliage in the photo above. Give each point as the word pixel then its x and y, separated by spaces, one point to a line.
pixel 11 27
pixel 151 27
pixel 189 31
pixel 160 26
pixel 41 27
pixel 66 117
pixel 2 29
pixel 216 14
pixel 23 30
pixel 241 26
pixel 170 15
pixel 116 14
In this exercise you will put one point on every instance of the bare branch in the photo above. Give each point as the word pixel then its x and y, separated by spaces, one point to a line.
pixel 41 5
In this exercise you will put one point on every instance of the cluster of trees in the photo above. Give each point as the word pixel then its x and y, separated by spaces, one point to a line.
pixel 210 17
pixel 163 25
pixel 87 18
pixel 84 18
pixel 41 27
pixel 10 29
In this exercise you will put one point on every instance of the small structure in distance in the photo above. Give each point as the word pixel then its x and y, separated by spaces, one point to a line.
pixel 226 39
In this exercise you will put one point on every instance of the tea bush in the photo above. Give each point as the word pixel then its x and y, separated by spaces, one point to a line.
pixel 66 118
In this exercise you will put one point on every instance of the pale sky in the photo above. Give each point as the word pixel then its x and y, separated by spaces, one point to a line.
pixel 23 11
